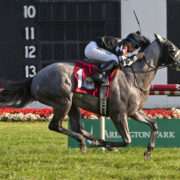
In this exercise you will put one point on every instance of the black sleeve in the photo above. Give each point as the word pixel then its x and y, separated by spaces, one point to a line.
pixel 109 43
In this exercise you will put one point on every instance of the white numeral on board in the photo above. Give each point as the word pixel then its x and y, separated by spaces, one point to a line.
pixel 30 52
pixel 29 11
pixel 30 71
pixel 29 33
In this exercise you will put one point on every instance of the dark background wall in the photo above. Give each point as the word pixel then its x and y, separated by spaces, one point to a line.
pixel 35 33
pixel 173 34
pixel 11 40
pixel 57 30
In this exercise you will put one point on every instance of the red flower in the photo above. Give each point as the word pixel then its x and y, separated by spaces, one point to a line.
pixel 42 112
pixel 46 112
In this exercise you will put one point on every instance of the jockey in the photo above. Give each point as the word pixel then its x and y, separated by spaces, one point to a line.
pixel 111 52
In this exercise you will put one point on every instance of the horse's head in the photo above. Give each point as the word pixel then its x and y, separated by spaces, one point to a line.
pixel 161 52
pixel 170 54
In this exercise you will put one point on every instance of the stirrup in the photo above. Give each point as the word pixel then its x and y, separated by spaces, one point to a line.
pixel 100 78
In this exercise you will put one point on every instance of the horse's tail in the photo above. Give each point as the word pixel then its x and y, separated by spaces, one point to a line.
pixel 15 94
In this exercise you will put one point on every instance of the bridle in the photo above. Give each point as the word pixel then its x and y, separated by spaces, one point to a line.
pixel 151 69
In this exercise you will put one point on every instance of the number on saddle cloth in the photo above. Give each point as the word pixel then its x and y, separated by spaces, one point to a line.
pixel 83 73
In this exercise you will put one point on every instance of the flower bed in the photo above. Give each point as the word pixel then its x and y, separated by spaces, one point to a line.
pixel 45 114
pixel 25 114
pixel 172 113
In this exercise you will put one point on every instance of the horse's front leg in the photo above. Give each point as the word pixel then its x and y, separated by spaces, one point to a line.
pixel 120 121
pixel 140 116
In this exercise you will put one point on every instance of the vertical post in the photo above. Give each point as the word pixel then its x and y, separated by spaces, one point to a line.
pixel 102 129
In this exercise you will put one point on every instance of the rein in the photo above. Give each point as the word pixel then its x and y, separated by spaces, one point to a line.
pixel 153 68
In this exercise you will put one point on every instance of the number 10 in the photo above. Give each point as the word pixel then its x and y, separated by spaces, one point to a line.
pixel 29 11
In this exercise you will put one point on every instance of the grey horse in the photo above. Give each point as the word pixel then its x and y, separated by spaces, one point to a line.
pixel 54 85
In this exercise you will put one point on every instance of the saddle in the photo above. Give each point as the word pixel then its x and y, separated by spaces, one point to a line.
pixel 85 83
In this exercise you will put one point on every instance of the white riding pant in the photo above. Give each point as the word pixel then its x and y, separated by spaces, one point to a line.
pixel 92 51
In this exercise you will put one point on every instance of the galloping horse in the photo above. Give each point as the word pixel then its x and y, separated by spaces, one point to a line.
pixel 54 85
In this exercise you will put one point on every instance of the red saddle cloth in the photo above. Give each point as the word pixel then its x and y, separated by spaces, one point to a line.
pixel 84 84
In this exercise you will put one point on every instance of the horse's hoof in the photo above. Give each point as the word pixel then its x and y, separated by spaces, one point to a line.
pixel 114 149
pixel 83 148
pixel 147 155
pixel 109 148
pixel 97 143
pixel 101 141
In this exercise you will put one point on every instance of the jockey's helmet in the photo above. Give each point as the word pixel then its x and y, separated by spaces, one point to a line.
pixel 135 39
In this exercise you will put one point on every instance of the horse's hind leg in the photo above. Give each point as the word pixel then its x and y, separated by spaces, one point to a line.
pixel 74 119
pixel 140 116
pixel 56 125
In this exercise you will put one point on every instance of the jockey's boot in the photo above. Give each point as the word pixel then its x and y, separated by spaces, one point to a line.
pixel 108 66
pixel 100 78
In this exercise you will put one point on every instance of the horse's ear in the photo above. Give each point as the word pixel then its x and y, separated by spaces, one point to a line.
pixel 159 38
pixel 138 32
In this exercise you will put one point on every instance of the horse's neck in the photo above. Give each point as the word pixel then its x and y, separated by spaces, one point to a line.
pixel 142 73
pixel 141 80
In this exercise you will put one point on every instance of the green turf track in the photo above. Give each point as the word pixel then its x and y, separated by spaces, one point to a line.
pixel 29 151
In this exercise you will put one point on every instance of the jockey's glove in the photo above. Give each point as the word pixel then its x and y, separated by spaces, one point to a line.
pixel 128 61
pixel 121 60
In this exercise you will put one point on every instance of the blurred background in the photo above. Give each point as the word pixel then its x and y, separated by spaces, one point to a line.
pixel 36 33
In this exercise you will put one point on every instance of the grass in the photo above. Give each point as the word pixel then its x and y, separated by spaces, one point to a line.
pixel 29 151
